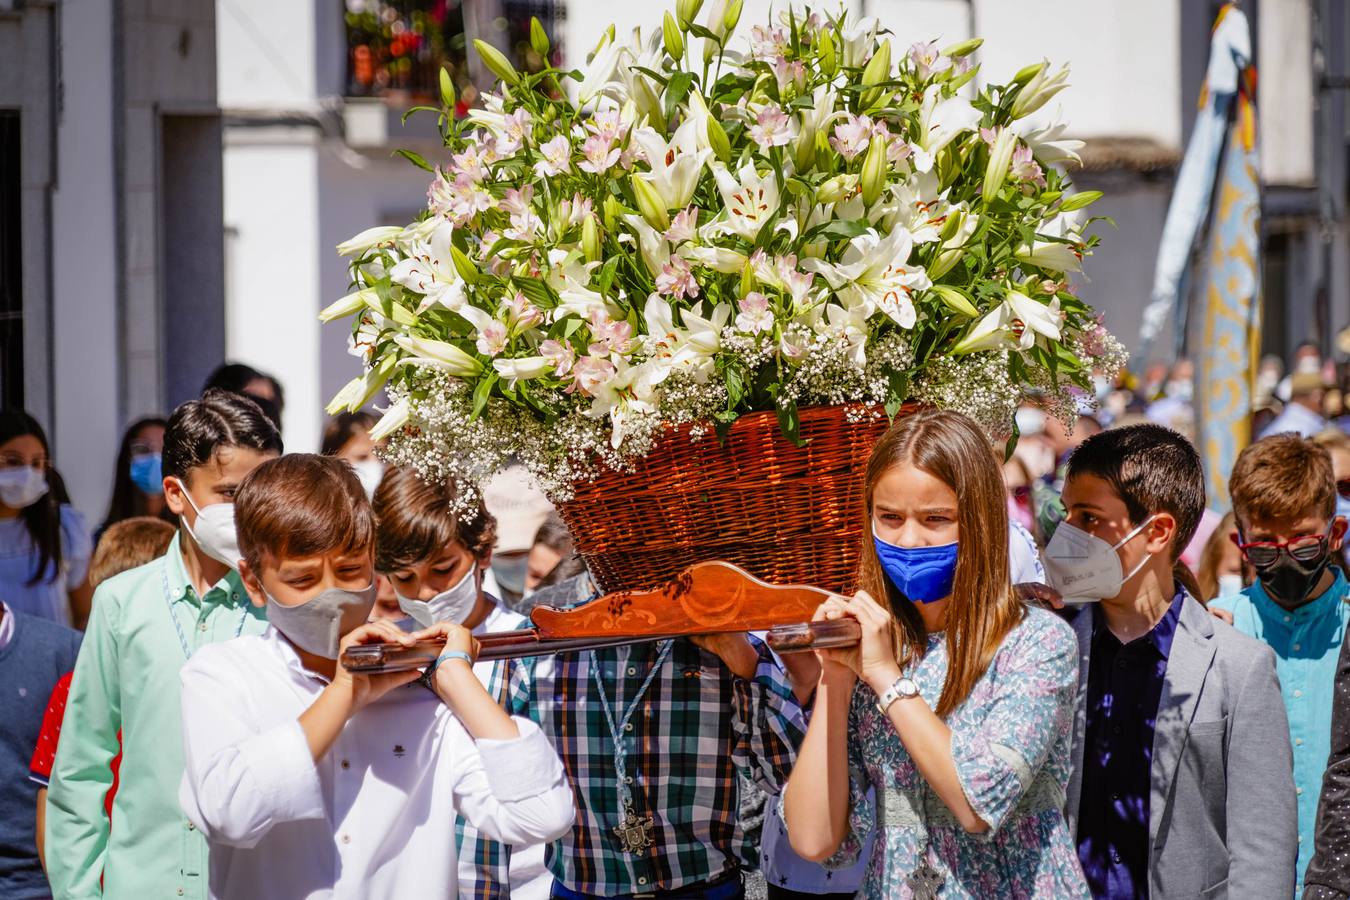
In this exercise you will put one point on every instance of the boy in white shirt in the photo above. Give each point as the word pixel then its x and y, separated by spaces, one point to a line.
pixel 310 781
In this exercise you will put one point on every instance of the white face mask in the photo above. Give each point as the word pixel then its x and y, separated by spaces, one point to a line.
pixel 369 472
pixel 1082 567
pixel 22 486
pixel 1230 584
pixel 453 605
pixel 214 532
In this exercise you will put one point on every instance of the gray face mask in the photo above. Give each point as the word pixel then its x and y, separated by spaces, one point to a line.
pixel 317 625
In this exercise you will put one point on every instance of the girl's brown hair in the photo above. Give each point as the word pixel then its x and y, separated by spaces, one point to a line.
pixel 983 607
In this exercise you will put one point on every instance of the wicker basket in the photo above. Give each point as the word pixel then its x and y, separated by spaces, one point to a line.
pixel 787 514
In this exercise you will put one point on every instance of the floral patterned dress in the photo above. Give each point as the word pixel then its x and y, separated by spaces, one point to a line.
pixel 1011 741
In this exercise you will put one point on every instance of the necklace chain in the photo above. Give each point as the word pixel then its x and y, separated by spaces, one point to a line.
pixel 168 602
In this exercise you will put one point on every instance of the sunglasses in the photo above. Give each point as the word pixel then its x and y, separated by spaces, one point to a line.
pixel 1304 548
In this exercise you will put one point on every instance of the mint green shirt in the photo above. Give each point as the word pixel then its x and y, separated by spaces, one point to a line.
pixel 1307 645
pixel 126 679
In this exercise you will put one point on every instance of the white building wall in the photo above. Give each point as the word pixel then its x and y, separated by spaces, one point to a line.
pixel 87 373
pixel 265 54
pixel 1285 93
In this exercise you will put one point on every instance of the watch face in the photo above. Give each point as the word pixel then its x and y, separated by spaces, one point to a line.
pixel 907 687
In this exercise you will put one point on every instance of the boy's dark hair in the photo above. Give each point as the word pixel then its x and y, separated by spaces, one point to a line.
pixel 301 505
pixel 340 429
pixel 1152 469
pixel 127 544
pixel 199 428
pixel 236 377
pixel 1282 477
pixel 416 520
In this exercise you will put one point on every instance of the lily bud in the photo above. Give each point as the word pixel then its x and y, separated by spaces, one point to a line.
pixel 686 10
pixel 650 204
pixel 1000 157
pixel 590 239
pixel 732 17
pixel 670 31
pixel 538 37
pixel 1038 91
pixel 718 140
pixel 347 306
pixel 829 61
pixel 954 300
pixel 447 90
pixel 836 188
pixel 878 69
pixel 606 38
pixel 960 80
pixel 496 62
pixel 965 48
pixel 610 210
pixel 1080 200
pixel 874 170
pixel 1026 73
pixel 463 265
pixel 805 150
pixel 944 262
pixel 748 280
pixel 952 225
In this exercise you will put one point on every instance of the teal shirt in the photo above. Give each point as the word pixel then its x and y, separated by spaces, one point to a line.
pixel 1307 645
pixel 126 679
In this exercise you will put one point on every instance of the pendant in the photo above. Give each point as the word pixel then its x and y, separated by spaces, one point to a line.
pixel 635 834
pixel 925 882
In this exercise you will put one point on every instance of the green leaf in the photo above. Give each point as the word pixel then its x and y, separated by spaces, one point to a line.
pixel 836 231
pixel 897 392
pixel 537 291
pixel 700 31
pixel 1010 447
pixel 790 424
pixel 606 276
pixel 416 158
pixel 403 120
pixel 676 90
pixel 481 391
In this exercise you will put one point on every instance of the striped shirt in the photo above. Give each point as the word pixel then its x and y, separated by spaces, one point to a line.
pixel 696 728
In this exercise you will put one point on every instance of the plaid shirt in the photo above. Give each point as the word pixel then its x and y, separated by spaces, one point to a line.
pixel 698 726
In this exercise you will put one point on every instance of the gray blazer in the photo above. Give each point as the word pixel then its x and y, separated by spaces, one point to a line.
pixel 1223 817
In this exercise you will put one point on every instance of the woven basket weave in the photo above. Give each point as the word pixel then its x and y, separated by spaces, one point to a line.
pixel 787 514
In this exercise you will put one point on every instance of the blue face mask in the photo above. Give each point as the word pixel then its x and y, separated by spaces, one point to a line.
pixel 923 574
pixel 147 473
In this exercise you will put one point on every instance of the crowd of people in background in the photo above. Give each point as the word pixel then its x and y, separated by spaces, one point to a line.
pixel 1171 718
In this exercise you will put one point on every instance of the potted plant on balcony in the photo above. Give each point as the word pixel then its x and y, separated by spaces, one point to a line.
pixel 686 285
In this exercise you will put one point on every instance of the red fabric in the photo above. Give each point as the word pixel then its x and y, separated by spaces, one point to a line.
pixel 45 752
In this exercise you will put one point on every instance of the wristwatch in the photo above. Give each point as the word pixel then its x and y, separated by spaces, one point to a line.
pixel 902 688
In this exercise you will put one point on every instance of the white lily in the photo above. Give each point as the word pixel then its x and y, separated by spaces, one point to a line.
pixel 440 355
pixel 429 270
pixel 522 369
pixel 370 238
pixel 700 341
pixel 751 200
pixel 858 39
pixel 394 418
pixel 675 164
pixel 919 207
pixel 719 259
pixel 1013 325
pixel 653 247
pixel 570 275
pixel 1038 91
pixel 599 74
pixel 849 326
pixel 941 120
pixel 1047 142
pixel 1054 255
pixel 630 392
pixel 874 275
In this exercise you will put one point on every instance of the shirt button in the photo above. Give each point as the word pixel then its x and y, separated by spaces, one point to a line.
pixel 234 596
pixel 1298 693
pixel 201 627
pixel 1287 618
pixel 632 670
pixel 628 727
pixel 628 779
pixel 346 764
pixel 1298 742
pixel 1297 648
pixel 1299 791
pixel 642 879
pixel 191 827
pixel 180 892
pixel 346 839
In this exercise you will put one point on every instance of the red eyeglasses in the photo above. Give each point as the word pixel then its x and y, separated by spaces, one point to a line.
pixel 1263 554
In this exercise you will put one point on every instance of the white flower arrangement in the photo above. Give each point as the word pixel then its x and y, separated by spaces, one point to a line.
pixel 696 227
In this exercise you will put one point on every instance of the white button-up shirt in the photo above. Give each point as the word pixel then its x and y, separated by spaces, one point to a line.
pixel 375 817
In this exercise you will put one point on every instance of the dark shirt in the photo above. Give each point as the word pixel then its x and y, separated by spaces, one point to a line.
pixel 1125 682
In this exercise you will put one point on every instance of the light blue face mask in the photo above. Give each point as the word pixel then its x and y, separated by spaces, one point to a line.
pixel 147 473
pixel 923 574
